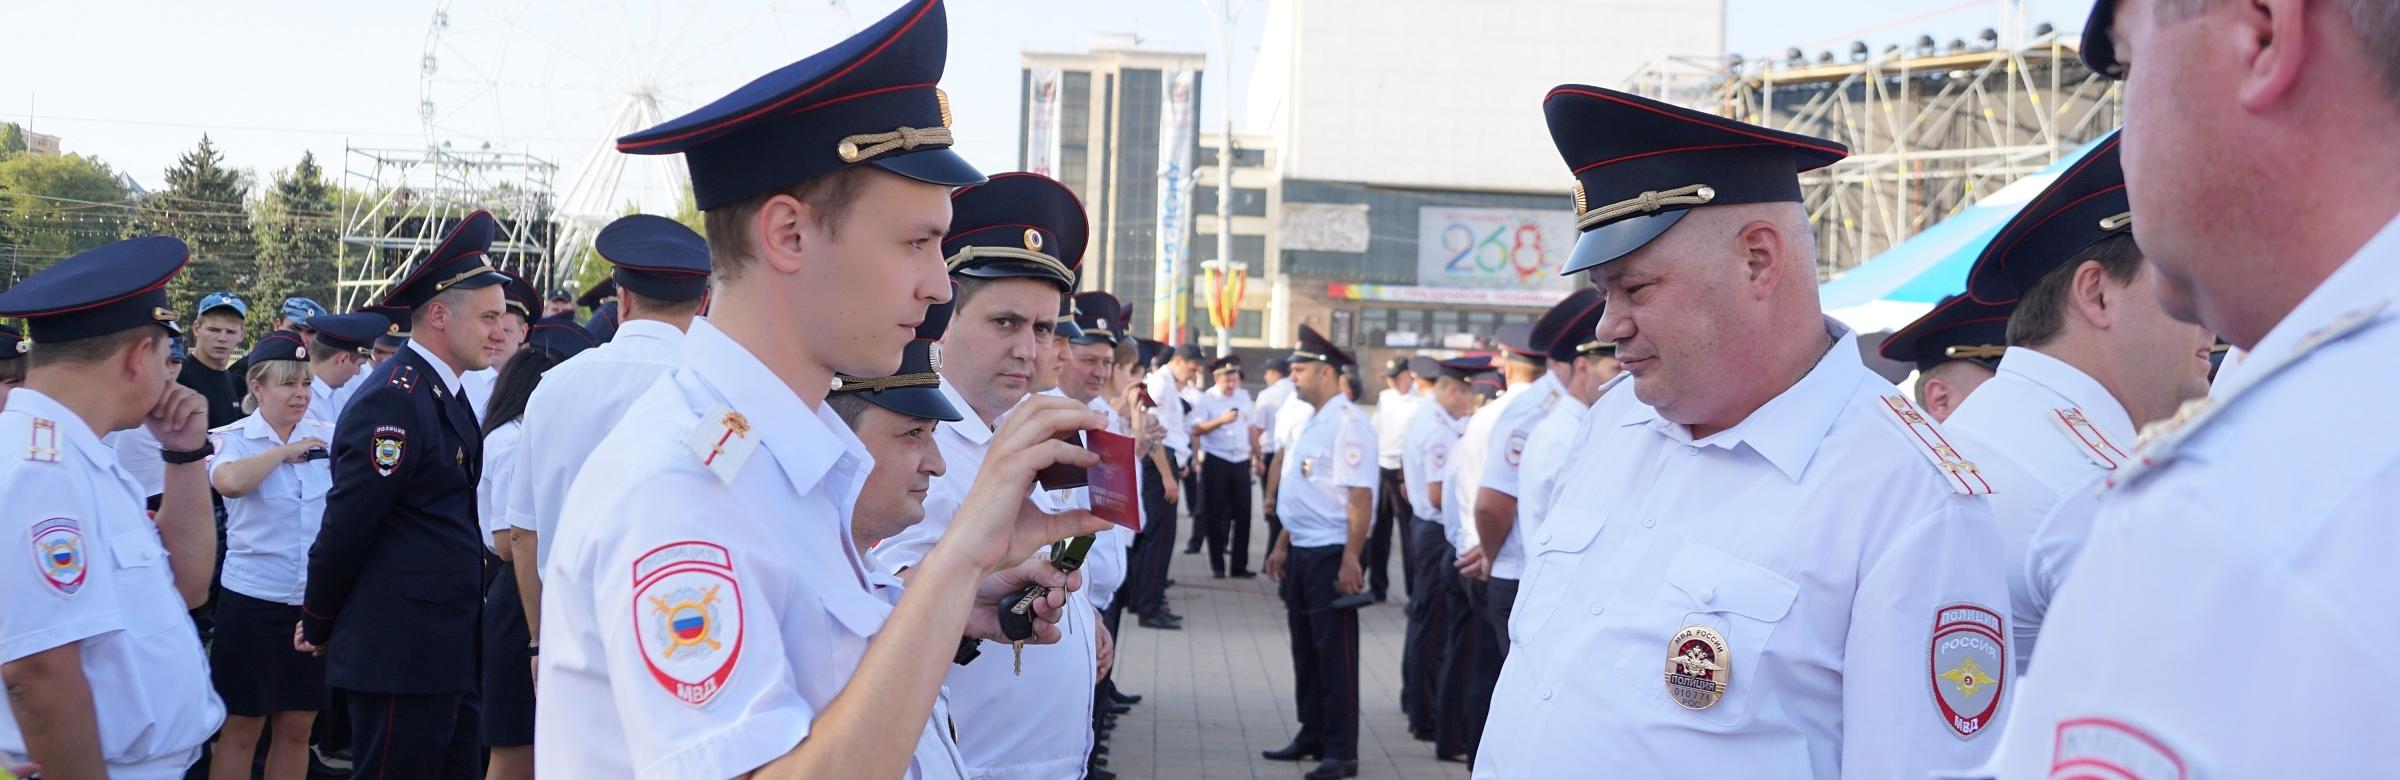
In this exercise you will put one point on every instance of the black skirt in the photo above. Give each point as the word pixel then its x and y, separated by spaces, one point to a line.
pixel 252 661
pixel 507 668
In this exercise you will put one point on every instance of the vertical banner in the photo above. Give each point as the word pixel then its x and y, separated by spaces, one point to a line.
pixel 1042 133
pixel 1178 134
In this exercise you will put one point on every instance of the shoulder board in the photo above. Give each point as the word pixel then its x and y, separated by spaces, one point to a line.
pixel 2160 440
pixel 1550 399
pixel 42 444
pixel 2087 438
pixel 404 377
pixel 721 441
pixel 1964 477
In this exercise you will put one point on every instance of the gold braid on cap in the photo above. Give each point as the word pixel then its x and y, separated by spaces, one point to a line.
pixel 2117 222
pixel 1974 352
pixel 479 270
pixel 1644 203
pixel 851 384
pixel 866 146
pixel 973 253
pixel 1596 348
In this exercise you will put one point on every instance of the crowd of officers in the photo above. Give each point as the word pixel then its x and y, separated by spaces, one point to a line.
pixel 799 499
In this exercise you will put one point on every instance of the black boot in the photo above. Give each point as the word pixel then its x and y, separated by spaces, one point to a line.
pixel 1332 768
pixel 1294 752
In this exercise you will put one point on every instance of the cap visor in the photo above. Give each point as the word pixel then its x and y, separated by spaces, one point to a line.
pixel 932 166
pixel 1013 269
pixel 1618 239
pixel 1094 337
pixel 925 402
pixel 480 281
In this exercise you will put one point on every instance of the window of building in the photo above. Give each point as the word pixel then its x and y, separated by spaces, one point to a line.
pixel 1247 202
pixel 1246 249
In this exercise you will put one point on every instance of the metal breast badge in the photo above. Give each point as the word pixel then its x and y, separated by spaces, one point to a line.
pixel 1699 669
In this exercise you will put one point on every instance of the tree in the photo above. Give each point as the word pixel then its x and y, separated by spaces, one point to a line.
pixel 12 140
pixel 53 207
pixel 298 234
pixel 205 205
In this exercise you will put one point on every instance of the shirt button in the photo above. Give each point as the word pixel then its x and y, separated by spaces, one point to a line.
pixel 1707 594
pixel 1546 695
pixel 1599 608
pixel 1650 522
pixel 1545 537
pixel 1691 450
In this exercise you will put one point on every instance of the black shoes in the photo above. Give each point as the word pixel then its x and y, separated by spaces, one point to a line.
pixel 1331 768
pixel 1243 575
pixel 1191 549
pixel 1114 708
pixel 1122 697
pixel 1161 623
pixel 1297 751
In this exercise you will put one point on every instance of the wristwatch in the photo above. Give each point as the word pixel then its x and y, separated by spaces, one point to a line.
pixel 206 449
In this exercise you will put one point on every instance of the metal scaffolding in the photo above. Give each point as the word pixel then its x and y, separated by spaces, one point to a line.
pixel 409 198
pixel 1930 131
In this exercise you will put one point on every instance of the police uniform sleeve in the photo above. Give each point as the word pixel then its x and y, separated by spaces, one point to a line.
pixel 1354 456
pixel 1504 458
pixel 692 638
pixel 372 463
pixel 1926 664
pixel 2057 540
pixel 519 505
pixel 62 587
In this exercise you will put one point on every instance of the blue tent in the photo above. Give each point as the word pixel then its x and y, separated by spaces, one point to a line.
pixel 1905 281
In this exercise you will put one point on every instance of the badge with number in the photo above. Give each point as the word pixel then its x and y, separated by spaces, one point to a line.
pixel 1969 665
pixel 1699 669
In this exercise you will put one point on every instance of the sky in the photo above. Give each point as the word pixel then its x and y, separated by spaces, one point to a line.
pixel 137 83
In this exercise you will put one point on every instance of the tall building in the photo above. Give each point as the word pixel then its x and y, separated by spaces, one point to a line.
pixel 1093 121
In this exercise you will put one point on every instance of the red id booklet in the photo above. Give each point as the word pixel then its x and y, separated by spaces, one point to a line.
pixel 1114 495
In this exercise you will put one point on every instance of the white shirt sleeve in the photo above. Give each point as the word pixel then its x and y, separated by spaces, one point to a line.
pixel 1892 725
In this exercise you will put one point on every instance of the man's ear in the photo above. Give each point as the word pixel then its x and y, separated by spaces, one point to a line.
pixel 781 231
pixel 1763 249
pixel 2091 294
pixel 2274 47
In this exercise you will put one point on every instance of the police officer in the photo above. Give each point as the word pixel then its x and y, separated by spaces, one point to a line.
pixel 1759 510
pixel 516 314
pixel 1222 425
pixel 104 674
pixel 1327 499
pixel 1956 348
pixel 342 346
pixel 2251 527
pixel 707 608
pixel 1435 700
pixel 394 576
pixel 1493 505
pixel 660 270
pixel 1582 366
pixel 602 300
pixel 2092 359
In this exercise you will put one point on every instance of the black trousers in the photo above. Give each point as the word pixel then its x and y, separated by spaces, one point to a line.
pixel 1392 514
pixel 1145 590
pixel 1324 651
pixel 1459 712
pixel 411 736
pixel 1421 651
pixel 1195 500
pixel 1225 511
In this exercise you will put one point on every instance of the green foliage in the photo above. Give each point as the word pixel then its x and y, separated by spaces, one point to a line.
pixel 52 207
pixel 298 234
pixel 205 204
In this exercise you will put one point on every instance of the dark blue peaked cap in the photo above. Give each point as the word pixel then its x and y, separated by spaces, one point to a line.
pixel 1314 346
pixel 1100 316
pixel 1565 331
pixel 2083 206
pixel 116 287
pixel 563 339
pixel 1464 369
pixel 1640 165
pixel 2100 53
pixel 1018 225
pixel 457 263
pixel 655 256
pixel 1959 328
pixel 916 389
pixel 520 295
pixel 355 331
pixel 870 99
pixel 12 344
pixel 279 345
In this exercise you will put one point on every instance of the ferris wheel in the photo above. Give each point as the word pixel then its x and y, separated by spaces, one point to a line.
pixel 558 81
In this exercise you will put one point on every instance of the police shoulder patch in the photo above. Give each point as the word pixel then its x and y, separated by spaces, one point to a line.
pixel 58 553
pixel 687 616
pixel 1967 662
pixel 1915 427
pixel 390 442
pixel 1516 446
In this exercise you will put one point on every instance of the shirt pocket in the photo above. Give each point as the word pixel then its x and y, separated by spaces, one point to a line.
pixel 316 480
pixel 1742 602
pixel 1553 559
pixel 141 570
pixel 859 615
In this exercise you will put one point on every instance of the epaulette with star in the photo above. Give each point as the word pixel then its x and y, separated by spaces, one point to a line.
pixel 405 378
pixel 1963 476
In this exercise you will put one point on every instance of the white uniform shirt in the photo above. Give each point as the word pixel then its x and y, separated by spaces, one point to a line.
pixel 269 530
pixel 477 386
pixel 1546 452
pixel 578 402
pixel 500 463
pixel 1504 458
pixel 2046 430
pixel 700 614
pixel 1230 441
pixel 1459 485
pixel 1033 725
pixel 1334 452
pixel 2230 615
pixel 1393 410
pixel 1817 539
pixel 1426 455
pixel 137 453
pixel 1168 392
pixel 89 569
pixel 1270 401
pixel 326 402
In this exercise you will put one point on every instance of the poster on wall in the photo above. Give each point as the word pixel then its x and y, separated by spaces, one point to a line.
pixel 1042 130
pixel 1494 248
pixel 1178 134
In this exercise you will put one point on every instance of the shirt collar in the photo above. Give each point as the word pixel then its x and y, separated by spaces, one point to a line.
pixel 449 376
pixel 255 426
pixel 2069 382
pixel 1788 429
pixel 970 425
pixel 649 329
pixel 795 434
pixel 74 434
pixel 2365 280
